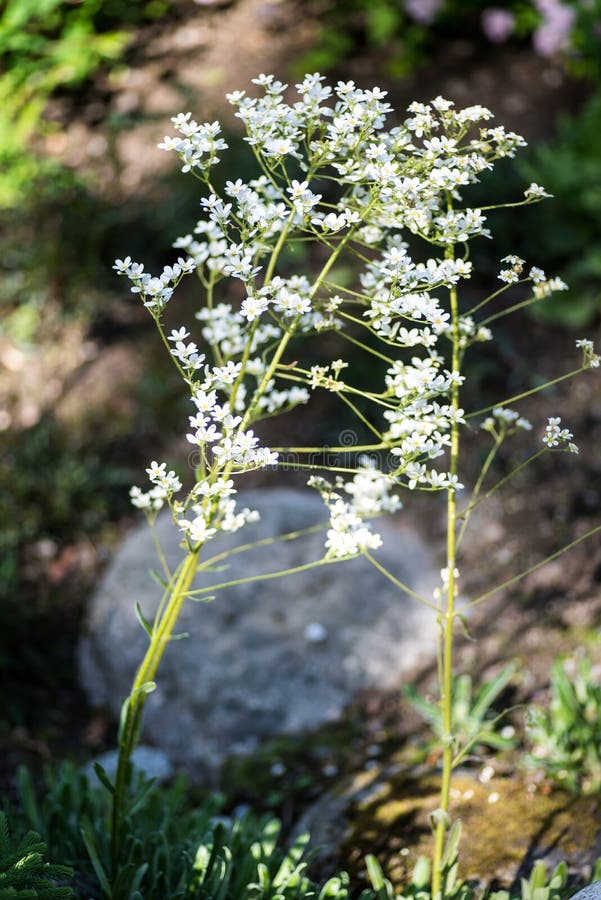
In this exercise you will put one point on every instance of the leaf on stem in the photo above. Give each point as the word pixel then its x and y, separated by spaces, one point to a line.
pixel 103 778
pixel 143 620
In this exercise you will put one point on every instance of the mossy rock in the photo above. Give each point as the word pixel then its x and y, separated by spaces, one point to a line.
pixel 508 821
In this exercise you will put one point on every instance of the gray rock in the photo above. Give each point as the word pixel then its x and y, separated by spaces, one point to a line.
pixel 151 762
pixel 590 892
pixel 262 659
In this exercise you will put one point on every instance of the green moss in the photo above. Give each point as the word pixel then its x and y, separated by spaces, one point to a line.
pixel 503 820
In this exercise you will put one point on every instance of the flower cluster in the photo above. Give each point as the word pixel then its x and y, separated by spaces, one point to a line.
pixel 164 486
pixel 155 291
pixel 217 511
pixel 349 534
pixel 592 360
pixel 198 145
pixel 557 437
pixel 333 173
pixel 504 421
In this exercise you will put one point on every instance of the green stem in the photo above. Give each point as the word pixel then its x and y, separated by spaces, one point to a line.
pixel 137 698
pixel 492 296
pixel 243 364
pixel 160 554
pixel 267 576
pixel 536 390
pixel 360 416
pixel 398 583
pixel 465 515
pixel 276 250
pixel 267 376
pixel 534 568
pixel 354 448
pixel 294 465
pixel 173 359
pixel 511 309
pixel 264 542
pixel 448 620
pixel 476 500
pixel 365 347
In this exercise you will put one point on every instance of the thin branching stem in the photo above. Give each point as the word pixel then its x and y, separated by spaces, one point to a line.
pixel 543 562
pixel 403 587
pixel 524 394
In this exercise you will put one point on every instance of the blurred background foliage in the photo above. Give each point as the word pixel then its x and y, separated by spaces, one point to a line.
pixel 66 477
pixel 47 47
pixel 410 32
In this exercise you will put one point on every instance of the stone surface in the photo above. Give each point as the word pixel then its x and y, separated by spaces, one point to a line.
pixel 151 762
pixel 590 892
pixel 251 666
pixel 508 822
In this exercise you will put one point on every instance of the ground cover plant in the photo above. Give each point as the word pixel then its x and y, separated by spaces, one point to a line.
pixel 564 736
pixel 332 179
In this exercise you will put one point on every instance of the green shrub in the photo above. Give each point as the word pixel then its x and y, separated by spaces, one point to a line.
pixel 566 736
pixel 172 849
pixel 473 722
pixel 538 886
pixel 24 874
pixel 419 888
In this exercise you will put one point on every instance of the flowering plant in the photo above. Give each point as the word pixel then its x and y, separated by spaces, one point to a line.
pixel 333 175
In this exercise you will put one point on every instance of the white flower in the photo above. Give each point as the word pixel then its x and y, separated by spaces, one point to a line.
pixel 156 471
pixel 279 147
pixel 253 307
pixel 554 435
pixel 536 192
pixel 537 275
pixel 197 530
pixel 122 265
pixel 591 359
pixel 509 276
pixel 179 335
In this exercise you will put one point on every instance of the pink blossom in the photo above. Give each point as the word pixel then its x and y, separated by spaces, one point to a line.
pixel 497 24
pixel 553 34
pixel 423 11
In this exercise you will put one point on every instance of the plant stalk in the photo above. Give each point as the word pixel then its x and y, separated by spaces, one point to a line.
pixel 137 698
pixel 447 624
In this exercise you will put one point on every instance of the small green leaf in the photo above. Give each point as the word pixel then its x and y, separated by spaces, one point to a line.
pixel 374 870
pixel 142 797
pixel 103 778
pixel 147 688
pixel 143 620
pixel 88 839
pixel 466 632
pixel 159 579
pixel 451 850
pixel 123 719
pixel 421 872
